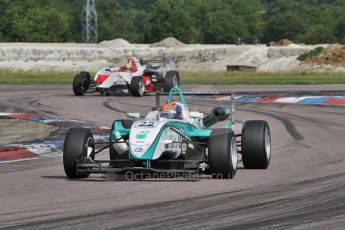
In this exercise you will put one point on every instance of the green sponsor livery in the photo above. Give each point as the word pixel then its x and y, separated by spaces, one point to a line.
pixel 190 131
pixel 142 135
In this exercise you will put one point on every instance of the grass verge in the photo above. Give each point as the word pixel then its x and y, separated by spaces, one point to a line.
pixel 28 77
pixel 189 78
pixel 230 78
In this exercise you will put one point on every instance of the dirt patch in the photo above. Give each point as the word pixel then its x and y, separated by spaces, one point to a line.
pixel 332 55
pixel 168 43
pixel 116 43
pixel 14 131
pixel 69 57
pixel 282 42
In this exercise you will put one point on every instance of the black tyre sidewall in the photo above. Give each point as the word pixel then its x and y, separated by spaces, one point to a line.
pixel 219 155
pixel 74 149
pixel 76 85
pixel 81 79
pixel 134 87
pixel 254 154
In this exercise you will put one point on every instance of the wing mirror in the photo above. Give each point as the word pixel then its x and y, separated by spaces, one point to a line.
pixel 133 115
pixel 195 114
pixel 154 66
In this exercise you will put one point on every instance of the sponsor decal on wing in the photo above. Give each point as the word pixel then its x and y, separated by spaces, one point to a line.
pixel 138 150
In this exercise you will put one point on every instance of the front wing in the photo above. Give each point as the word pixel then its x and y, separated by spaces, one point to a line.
pixel 148 167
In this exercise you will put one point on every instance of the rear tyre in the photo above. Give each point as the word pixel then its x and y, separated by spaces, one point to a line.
pixel 256 144
pixel 114 155
pixel 137 87
pixel 171 80
pixel 78 142
pixel 222 154
pixel 81 83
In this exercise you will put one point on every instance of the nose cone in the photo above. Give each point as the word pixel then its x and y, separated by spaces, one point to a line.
pixel 142 139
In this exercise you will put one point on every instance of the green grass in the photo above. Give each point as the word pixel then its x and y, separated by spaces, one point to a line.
pixel 189 78
pixel 231 78
pixel 27 77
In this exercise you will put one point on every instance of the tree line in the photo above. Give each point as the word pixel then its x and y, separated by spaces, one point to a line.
pixel 190 21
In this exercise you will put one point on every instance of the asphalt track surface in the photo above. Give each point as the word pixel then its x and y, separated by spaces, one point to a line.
pixel 303 188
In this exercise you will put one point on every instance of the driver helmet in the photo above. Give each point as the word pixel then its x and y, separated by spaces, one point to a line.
pixel 171 111
pixel 128 66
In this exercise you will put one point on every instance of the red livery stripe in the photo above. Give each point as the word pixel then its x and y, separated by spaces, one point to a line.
pixel 101 78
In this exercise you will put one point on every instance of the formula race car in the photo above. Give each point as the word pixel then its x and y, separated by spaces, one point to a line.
pixel 136 77
pixel 170 141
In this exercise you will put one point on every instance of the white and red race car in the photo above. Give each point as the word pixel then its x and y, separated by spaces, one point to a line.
pixel 137 77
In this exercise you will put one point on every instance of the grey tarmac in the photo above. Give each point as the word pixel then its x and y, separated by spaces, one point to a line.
pixel 303 188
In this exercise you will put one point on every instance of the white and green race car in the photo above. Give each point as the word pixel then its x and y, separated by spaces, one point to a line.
pixel 171 140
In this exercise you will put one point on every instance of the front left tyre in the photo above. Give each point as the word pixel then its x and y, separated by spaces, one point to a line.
pixel 222 154
pixel 137 87
pixel 79 143
pixel 81 83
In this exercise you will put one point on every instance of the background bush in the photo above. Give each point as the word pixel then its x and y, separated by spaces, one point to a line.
pixel 191 21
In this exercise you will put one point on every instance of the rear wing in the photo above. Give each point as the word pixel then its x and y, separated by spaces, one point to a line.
pixel 157 63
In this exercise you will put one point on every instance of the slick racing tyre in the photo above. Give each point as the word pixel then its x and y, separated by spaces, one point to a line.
pixel 113 154
pixel 222 154
pixel 81 83
pixel 137 87
pixel 78 142
pixel 256 144
pixel 171 79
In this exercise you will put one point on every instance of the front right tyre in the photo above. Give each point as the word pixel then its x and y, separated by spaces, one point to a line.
pixel 81 83
pixel 256 144
pixel 171 80
pixel 79 143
